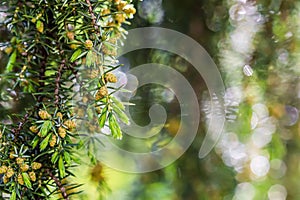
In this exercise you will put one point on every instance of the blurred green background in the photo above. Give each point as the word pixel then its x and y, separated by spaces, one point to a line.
pixel 256 46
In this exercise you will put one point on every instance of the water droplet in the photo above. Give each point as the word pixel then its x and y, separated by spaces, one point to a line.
pixel 260 137
pixel 248 71
pixel 277 192
pixel 292 115
pixel 278 168
pixel 261 110
pixel 244 191
pixel 268 124
pixel 288 35
pixel 260 166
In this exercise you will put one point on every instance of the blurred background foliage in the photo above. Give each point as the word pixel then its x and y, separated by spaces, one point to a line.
pixel 256 46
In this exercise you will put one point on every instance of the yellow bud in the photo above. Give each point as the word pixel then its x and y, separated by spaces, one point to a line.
pixel 33 20
pixel 88 44
pixel 121 5
pixel 24 167
pixel 39 134
pixel 110 77
pixel 10 172
pixel 102 92
pixel 20 48
pixel 11 155
pixel 120 18
pixel 130 10
pixel 36 165
pixel 44 114
pixel 34 129
pixel 40 26
pixel 70 35
pixel 70 124
pixel 94 73
pixel 91 128
pixel 5 179
pixel 32 176
pixel 8 50
pixel 20 179
pixel 98 110
pixel 52 141
pixel 74 46
pixel 80 112
pixel 3 169
pixel 105 12
pixel 59 115
pixel 62 132
pixel 20 161
pixel 85 99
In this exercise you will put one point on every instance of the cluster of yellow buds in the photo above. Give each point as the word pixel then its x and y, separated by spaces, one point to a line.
pixel 128 9
pixel 52 140
pixel 62 132
pixel 110 77
pixel 10 172
pixel 20 179
pixel 71 35
pixel 88 44
pixel 36 165
pixel 120 18
pixel 32 176
pixel 118 14
pixel 24 167
pixel 11 155
pixel 102 92
pixel 106 49
pixel 3 169
pixel 59 115
pixel 70 124
pixel 94 73
pixel 44 114
pixel 80 112
pixel 34 129
pixel 20 161
pixel 8 50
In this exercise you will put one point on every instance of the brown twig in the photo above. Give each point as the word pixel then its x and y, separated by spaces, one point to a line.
pixel 16 131
pixel 59 185
pixel 41 80
pixel 57 82
pixel 92 15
